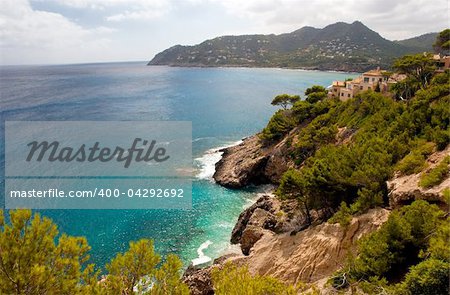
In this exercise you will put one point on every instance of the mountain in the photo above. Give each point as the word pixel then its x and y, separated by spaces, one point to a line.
pixel 423 41
pixel 339 46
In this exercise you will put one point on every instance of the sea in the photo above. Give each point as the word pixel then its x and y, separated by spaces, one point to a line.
pixel 224 105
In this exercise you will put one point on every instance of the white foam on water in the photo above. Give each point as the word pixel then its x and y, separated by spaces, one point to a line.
pixel 207 162
pixel 202 258
pixel 262 190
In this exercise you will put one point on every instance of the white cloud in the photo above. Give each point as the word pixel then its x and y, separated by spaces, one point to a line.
pixel 147 10
pixel 132 9
pixel 30 36
pixel 95 4
pixel 392 19
pixel 135 15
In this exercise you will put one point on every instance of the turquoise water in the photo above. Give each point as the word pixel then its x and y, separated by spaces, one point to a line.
pixel 224 105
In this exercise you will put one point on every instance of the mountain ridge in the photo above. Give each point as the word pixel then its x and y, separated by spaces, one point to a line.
pixel 339 46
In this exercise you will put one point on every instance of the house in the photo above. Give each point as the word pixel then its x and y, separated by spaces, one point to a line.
pixel 351 89
pixel 376 80
pixel 372 79
pixel 335 88
pixel 442 62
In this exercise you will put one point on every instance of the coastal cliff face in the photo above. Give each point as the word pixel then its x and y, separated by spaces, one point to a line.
pixel 405 189
pixel 273 243
pixel 312 254
pixel 274 235
pixel 270 215
pixel 251 162
pixel 344 154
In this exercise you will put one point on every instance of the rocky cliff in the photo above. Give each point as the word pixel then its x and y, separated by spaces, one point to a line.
pixel 312 254
pixel 275 242
pixel 404 190
pixel 274 235
pixel 251 162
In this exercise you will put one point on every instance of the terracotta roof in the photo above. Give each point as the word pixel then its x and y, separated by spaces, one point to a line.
pixel 339 83
pixel 374 73
pixel 356 80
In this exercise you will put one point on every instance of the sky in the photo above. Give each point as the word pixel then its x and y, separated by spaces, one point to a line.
pixel 83 31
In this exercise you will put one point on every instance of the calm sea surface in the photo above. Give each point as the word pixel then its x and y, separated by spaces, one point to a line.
pixel 224 105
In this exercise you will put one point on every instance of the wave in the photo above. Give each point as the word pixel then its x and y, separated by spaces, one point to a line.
pixel 203 138
pixel 207 162
pixel 202 258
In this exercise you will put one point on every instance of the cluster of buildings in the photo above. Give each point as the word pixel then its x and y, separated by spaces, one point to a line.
pixel 376 80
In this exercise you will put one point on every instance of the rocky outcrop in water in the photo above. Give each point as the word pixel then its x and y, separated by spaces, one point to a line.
pixel 251 162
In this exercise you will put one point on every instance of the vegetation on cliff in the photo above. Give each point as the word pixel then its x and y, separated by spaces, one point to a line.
pixel 387 135
pixel 411 248
pixel 344 152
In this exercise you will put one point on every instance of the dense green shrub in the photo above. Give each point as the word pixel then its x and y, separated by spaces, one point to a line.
pixel 387 136
pixel 436 175
pixel 302 111
pixel 414 232
pixel 280 124
pixel 429 277
pixel 415 161
pixel 233 280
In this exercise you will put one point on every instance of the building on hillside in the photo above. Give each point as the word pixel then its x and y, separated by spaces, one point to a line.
pixel 335 88
pixel 442 62
pixel 376 80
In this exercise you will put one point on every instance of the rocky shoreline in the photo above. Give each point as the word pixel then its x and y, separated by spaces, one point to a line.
pixel 275 240
pixel 251 162
pixel 274 235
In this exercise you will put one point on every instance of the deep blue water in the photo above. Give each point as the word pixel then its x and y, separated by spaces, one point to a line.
pixel 224 105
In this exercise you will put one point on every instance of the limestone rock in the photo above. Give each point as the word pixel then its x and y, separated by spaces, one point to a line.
pixel 403 190
pixel 312 254
pixel 270 215
pixel 198 280
pixel 251 163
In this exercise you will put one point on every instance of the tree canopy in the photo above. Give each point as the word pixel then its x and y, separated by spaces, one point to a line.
pixel 284 100
pixel 415 238
pixel 35 259
pixel 419 67
pixel 315 93
pixel 442 44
